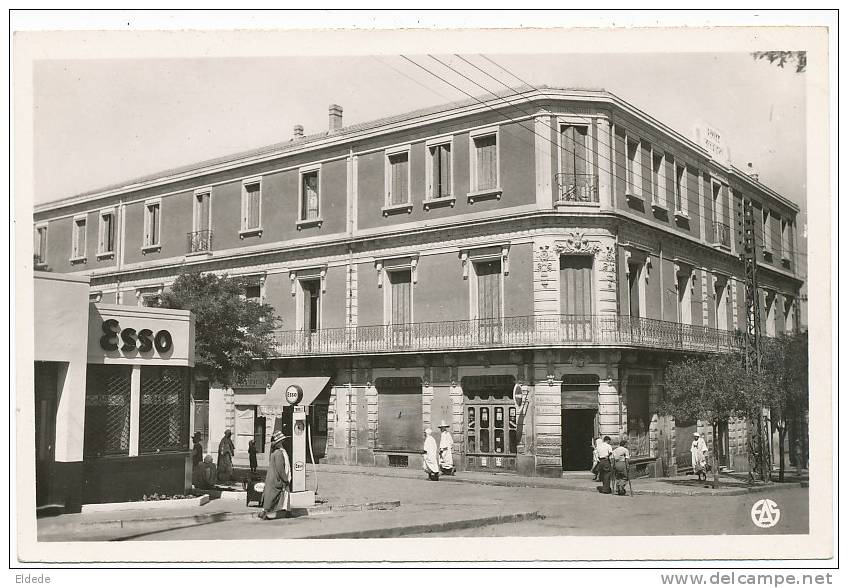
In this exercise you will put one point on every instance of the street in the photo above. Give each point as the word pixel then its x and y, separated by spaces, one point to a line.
pixel 564 512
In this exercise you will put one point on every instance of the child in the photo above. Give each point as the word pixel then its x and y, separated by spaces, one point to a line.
pixel 251 451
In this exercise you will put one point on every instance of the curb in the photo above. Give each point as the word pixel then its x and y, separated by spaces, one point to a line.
pixel 391 532
pixel 144 524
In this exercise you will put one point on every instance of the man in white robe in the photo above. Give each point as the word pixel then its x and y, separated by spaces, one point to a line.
pixel 446 450
pixel 699 456
pixel 431 456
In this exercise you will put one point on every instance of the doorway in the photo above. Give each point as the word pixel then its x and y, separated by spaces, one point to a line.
pixel 577 436
pixel 46 381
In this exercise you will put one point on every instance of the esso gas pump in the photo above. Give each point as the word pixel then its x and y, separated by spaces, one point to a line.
pixel 300 496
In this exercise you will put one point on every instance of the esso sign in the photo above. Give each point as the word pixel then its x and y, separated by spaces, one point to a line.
pixel 132 340
pixel 293 394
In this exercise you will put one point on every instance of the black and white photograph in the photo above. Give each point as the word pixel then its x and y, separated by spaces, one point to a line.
pixel 553 295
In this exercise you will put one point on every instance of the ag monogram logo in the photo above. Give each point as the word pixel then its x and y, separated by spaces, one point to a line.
pixel 765 513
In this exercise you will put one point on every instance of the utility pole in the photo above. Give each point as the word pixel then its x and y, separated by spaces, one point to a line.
pixel 757 432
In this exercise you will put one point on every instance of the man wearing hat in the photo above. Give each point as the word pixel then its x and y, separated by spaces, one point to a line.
pixel 699 456
pixel 196 459
pixel 275 497
pixel 446 450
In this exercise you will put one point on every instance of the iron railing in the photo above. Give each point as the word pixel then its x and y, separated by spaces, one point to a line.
pixel 721 234
pixel 507 333
pixel 199 241
pixel 577 188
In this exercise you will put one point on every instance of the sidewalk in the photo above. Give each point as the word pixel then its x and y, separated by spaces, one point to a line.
pixel 674 486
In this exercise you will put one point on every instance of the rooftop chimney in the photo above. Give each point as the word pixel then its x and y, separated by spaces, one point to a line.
pixel 752 173
pixel 298 131
pixel 335 118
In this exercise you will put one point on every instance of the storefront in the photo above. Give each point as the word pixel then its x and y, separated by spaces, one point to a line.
pixel 112 406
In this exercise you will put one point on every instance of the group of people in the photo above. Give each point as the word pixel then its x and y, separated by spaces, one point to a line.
pixel 438 458
pixel 275 496
pixel 610 464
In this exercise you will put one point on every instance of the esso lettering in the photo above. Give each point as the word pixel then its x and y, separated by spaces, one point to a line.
pixel 130 340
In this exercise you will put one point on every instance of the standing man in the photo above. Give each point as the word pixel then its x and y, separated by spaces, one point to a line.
pixel 275 496
pixel 699 456
pixel 620 461
pixel 226 451
pixel 446 450
pixel 431 456
pixel 604 465
pixel 196 459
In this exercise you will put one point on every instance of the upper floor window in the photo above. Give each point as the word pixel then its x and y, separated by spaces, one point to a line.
pixel 40 245
pixel 484 161
pixel 576 180
pixel 106 233
pixel 657 178
pixel 680 206
pixel 397 178
pixel 766 231
pixel 251 206
pixel 634 167
pixel 439 171
pixel 152 222
pixel 786 239
pixel 202 211
pixel 310 197
pixel 78 240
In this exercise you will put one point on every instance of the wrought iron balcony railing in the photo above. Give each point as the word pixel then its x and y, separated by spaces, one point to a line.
pixel 721 234
pixel 577 188
pixel 199 242
pixel 508 333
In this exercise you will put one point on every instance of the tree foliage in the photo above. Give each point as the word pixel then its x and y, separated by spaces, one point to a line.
pixel 230 331
pixel 782 58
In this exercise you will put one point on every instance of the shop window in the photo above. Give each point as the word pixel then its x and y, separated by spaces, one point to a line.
pixel 638 415
pixel 491 418
pixel 107 410
pixel 163 416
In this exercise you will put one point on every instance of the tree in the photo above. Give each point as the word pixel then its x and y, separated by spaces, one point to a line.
pixel 784 381
pixel 231 332
pixel 713 389
pixel 781 58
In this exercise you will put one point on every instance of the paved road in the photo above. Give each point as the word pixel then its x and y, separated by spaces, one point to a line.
pixel 566 512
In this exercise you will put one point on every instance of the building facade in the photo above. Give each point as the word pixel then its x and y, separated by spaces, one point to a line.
pixel 562 244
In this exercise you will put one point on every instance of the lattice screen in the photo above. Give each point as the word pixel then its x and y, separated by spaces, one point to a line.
pixel 107 410
pixel 164 409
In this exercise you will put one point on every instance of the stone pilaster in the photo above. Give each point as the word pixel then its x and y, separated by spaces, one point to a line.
pixel 544 192
pixel 546 430
pixel 545 277
pixel 608 408
pixel 605 165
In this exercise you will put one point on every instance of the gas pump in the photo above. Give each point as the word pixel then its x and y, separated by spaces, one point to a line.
pixel 294 419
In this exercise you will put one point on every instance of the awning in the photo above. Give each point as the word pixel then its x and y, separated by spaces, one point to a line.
pixel 311 387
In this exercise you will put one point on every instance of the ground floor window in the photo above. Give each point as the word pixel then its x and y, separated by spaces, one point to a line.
pixel 249 426
pixel 638 414
pixel 491 422
pixel 107 410
pixel 163 415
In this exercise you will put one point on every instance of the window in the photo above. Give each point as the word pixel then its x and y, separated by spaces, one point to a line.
pixel 722 293
pixel 766 231
pixel 786 239
pixel 163 414
pixel 439 171
pixel 106 233
pixel 634 167
pixel 309 196
pixel 399 298
pixel 788 314
pixel 251 207
pixel 107 410
pixel 253 293
pixel 202 212
pixel 40 245
pixel 484 162
pixel 310 316
pixel 636 287
pixel 680 190
pixel 152 224
pixel 658 179
pixel 684 296
pixel 78 245
pixel 638 414
pixel 398 178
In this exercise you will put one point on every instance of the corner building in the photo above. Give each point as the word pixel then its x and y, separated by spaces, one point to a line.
pixel 425 264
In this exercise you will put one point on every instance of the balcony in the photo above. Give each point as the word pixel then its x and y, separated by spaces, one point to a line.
pixel 576 189
pixel 721 235
pixel 199 242
pixel 507 333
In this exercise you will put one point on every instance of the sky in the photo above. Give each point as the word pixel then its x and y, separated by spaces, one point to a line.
pixel 102 121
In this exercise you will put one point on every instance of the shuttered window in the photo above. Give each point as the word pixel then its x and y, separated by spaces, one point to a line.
pixel 151 224
pixel 400 423
pixel 573 152
pixel 106 243
pixel 489 290
pixel 79 239
pixel 252 194
pixel 41 245
pixel 576 297
pixel 201 211
pixel 580 391
pixel 486 156
pixel 399 178
pixel 400 284
pixel 440 157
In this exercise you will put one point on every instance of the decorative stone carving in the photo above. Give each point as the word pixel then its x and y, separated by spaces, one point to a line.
pixel 544 264
pixel 575 242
